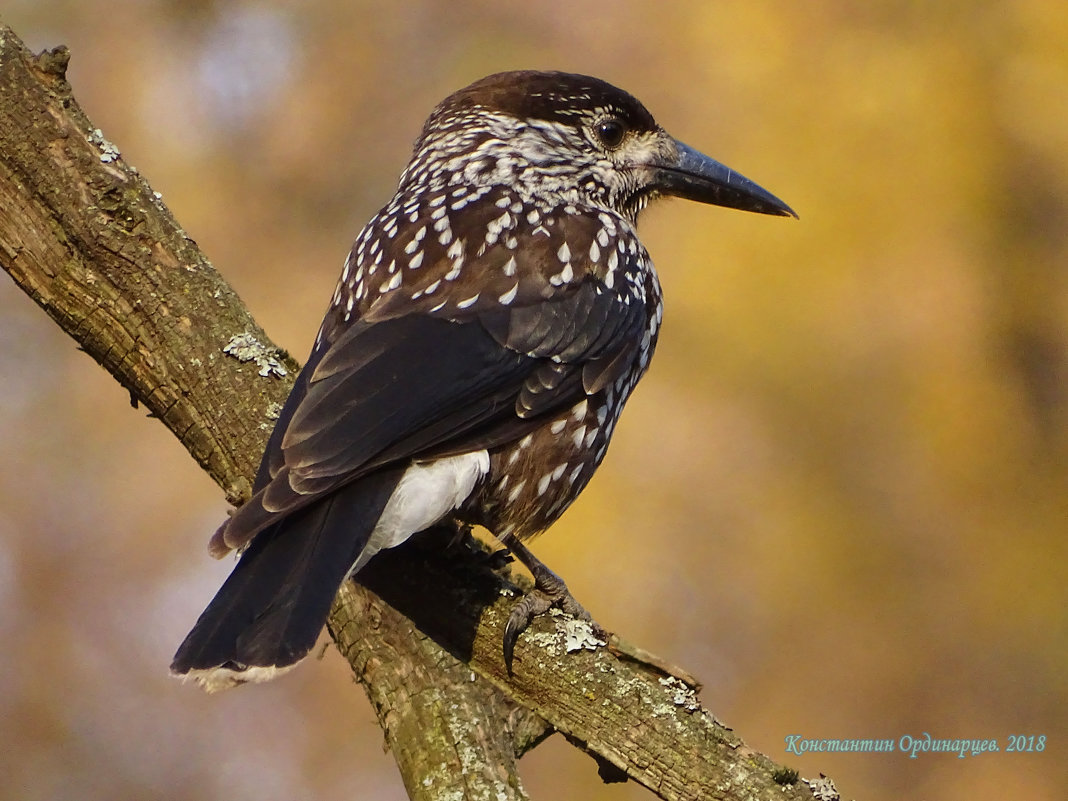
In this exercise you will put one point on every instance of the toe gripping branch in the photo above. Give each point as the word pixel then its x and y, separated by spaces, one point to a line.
pixel 549 591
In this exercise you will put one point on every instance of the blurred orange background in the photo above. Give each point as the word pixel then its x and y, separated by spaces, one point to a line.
pixel 840 498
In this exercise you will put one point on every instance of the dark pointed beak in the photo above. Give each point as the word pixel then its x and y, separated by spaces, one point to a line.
pixel 695 176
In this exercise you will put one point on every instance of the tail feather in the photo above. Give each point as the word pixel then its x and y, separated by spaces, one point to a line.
pixel 269 612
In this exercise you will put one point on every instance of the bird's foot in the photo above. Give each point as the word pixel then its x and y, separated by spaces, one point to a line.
pixel 549 592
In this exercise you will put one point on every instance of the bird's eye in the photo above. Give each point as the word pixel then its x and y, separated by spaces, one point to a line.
pixel 610 132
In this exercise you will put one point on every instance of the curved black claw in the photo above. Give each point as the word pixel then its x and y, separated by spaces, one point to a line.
pixel 532 604
pixel 549 591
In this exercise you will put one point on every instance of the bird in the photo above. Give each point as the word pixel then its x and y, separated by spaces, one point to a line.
pixel 489 324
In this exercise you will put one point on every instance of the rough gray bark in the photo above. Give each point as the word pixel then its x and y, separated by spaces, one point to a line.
pixel 84 235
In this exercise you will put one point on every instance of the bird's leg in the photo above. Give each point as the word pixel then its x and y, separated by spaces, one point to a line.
pixel 549 591
pixel 461 534
pixel 461 530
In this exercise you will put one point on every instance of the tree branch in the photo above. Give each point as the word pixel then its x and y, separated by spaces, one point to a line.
pixel 84 235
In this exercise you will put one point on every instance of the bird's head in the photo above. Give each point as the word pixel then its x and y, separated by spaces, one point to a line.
pixel 561 139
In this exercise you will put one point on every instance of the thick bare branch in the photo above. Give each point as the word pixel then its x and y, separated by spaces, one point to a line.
pixel 86 237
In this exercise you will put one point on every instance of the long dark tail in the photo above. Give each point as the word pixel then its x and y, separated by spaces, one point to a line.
pixel 269 612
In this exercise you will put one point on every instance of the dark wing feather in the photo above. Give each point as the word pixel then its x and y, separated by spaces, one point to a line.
pixel 590 333
pixel 426 381
pixel 271 609
pixel 420 386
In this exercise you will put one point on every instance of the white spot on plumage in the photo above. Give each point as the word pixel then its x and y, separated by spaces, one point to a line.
pixel 578 436
pixel 416 260
pixel 518 488
pixel 562 277
pixel 543 483
pixel 494 228
pixel 509 296
pixel 563 253
pixel 510 267
pixel 467 302
pixel 557 426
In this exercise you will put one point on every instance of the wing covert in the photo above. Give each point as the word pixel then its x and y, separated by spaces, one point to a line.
pixel 408 380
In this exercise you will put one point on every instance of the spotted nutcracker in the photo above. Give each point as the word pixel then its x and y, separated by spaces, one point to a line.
pixel 489 325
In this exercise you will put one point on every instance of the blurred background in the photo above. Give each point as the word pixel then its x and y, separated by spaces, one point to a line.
pixel 840 498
